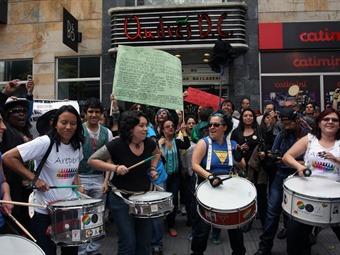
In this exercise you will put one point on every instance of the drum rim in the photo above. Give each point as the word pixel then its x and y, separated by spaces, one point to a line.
pixel 308 196
pixel 228 211
pixel 288 190
pixel 238 177
pixel 25 239
pixel 160 199
pixel 98 201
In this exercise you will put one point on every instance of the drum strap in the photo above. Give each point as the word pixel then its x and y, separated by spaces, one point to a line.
pixel 209 156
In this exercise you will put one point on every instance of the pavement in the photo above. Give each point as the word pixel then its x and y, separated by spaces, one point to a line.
pixel 327 243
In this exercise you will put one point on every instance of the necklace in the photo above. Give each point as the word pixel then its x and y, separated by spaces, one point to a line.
pixel 137 145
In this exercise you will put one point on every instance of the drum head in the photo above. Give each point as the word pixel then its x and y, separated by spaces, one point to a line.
pixel 76 202
pixel 233 194
pixel 150 196
pixel 18 245
pixel 314 186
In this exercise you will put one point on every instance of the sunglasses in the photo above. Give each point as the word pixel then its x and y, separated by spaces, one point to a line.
pixel 215 124
pixel 18 110
pixel 330 119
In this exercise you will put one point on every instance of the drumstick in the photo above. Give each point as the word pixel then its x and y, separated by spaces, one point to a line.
pixel 21 226
pixel 142 162
pixel 22 203
pixel 226 178
pixel 63 187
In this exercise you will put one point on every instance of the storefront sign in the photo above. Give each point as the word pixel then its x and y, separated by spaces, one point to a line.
pixel 3 11
pixel 70 30
pixel 300 62
pixel 178 26
pixel 275 89
pixel 199 75
pixel 299 35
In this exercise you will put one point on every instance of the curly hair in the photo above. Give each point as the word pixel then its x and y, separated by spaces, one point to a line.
pixel 254 125
pixel 78 137
pixel 127 121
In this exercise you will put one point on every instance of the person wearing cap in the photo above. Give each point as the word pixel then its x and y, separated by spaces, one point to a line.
pixel 95 136
pixel 291 132
pixel 15 113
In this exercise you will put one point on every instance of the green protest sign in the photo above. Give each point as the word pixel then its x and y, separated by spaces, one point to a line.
pixel 148 76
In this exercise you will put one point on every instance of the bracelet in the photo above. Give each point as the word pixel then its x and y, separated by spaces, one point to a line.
pixel 153 168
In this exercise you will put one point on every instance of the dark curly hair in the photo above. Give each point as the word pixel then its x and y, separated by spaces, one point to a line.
pixel 241 124
pixel 317 131
pixel 78 137
pixel 127 121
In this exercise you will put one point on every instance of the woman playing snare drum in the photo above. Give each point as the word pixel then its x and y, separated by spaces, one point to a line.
pixel 220 164
pixel 60 168
pixel 132 147
pixel 322 157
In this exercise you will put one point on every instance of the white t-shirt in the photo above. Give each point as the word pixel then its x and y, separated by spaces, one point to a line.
pixel 60 168
pixel 95 135
pixel 318 164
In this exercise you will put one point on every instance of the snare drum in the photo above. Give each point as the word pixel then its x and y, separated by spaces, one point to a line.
pixel 18 245
pixel 228 206
pixel 77 221
pixel 151 204
pixel 312 200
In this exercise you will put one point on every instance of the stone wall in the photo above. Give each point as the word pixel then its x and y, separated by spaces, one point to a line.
pixel 34 30
pixel 298 10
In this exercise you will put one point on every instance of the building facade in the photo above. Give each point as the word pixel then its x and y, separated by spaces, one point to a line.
pixel 31 42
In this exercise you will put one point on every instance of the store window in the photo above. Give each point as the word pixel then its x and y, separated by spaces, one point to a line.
pixel 15 69
pixel 78 78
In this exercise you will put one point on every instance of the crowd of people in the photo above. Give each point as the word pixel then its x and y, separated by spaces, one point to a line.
pixel 96 149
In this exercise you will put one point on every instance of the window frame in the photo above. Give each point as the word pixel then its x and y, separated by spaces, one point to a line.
pixel 2 83
pixel 57 80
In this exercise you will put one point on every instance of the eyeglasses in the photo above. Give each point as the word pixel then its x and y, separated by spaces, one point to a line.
pixel 215 124
pixel 169 126
pixel 330 119
pixel 18 110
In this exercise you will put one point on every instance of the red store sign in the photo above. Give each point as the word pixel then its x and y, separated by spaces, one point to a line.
pixel 299 35
pixel 179 26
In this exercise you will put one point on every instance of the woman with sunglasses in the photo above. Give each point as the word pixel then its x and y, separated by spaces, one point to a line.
pixel 320 148
pixel 219 127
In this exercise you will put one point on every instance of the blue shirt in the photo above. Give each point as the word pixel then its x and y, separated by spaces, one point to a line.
pixel 219 157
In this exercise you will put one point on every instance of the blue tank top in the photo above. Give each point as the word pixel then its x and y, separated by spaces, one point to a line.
pixel 219 157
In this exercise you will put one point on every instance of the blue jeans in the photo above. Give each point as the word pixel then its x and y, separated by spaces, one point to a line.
pixel 172 185
pixel 158 228
pixel 134 234
pixel 93 187
pixel 274 210
pixel 39 224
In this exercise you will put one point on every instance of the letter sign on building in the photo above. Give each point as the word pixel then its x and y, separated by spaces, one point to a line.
pixel 70 30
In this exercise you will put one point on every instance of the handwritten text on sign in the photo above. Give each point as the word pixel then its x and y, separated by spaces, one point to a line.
pixel 148 76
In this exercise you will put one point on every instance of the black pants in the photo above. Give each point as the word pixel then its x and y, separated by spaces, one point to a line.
pixel 298 237
pixel 200 236
pixel 39 224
